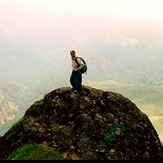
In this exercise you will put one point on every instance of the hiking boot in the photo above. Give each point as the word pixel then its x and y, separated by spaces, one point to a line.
pixel 73 89
pixel 79 95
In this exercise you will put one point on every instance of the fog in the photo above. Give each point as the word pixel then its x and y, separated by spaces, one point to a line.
pixel 55 24
pixel 121 41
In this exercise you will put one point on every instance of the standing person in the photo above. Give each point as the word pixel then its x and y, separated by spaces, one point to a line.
pixel 76 75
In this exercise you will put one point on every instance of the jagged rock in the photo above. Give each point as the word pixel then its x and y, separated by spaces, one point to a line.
pixel 100 125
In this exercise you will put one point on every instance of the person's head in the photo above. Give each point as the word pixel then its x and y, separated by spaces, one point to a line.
pixel 72 53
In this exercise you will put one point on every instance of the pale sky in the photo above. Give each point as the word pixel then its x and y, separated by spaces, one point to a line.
pixel 71 21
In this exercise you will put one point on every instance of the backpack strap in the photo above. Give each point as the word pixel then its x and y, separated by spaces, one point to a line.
pixel 77 61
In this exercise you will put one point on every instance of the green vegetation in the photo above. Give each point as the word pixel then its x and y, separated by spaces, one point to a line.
pixel 115 126
pixel 101 146
pixel 35 152
pixel 111 136
pixel 38 103
pixel 15 124
pixel 62 130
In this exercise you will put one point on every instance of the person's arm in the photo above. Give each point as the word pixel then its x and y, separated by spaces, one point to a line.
pixel 80 63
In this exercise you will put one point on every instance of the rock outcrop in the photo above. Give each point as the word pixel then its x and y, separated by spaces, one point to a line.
pixel 100 125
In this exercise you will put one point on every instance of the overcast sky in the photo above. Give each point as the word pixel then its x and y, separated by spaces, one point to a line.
pixel 66 22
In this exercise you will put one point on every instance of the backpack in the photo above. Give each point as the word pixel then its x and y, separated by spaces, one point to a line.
pixel 84 69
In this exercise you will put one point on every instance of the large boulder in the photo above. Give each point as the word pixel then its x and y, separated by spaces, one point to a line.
pixel 100 125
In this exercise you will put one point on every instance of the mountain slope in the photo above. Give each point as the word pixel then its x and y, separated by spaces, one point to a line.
pixel 101 125
pixel 29 73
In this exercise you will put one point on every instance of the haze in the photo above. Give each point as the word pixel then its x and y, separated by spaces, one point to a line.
pixel 60 23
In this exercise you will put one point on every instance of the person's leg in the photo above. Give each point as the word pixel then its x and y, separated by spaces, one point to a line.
pixel 72 80
pixel 78 83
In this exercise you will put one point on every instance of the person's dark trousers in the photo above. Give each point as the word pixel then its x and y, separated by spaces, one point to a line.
pixel 76 81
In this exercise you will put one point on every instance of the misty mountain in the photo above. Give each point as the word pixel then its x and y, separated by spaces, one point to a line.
pixel 28 73
pixel 132 64
pixel 107 60
pixel 19 60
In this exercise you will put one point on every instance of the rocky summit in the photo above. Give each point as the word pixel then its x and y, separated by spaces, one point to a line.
pixel 100 125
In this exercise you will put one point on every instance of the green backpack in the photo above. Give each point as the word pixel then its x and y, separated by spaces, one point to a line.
pixel 84 69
